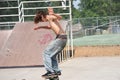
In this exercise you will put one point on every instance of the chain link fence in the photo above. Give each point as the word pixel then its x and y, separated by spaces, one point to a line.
pixel 96 26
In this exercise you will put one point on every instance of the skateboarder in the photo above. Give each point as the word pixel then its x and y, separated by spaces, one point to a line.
pixel 57 45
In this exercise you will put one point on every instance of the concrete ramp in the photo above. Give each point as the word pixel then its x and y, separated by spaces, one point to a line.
pixel 25 45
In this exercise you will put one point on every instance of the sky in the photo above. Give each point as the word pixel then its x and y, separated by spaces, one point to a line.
pixel 75 3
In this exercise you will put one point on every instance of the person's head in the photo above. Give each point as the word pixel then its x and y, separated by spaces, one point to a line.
pixel 40 17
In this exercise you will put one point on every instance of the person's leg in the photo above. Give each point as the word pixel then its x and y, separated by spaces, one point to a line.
pixel 55 65
pixel 48 61
pixel 60 46
pixel 47 57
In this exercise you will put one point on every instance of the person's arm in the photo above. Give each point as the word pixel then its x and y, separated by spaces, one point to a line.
pixel 39 27
pixel 51 12
pixel 58 16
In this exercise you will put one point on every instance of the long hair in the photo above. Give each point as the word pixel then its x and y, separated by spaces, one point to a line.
pixel 38 17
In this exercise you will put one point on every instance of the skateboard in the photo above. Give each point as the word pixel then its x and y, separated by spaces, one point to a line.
pixel 52 77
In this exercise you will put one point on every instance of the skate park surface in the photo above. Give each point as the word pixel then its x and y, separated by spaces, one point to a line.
pixel 23 60
pixel 82 68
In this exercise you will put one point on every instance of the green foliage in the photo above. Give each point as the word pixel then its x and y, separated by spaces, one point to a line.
pixel 75 13
pixel 98 8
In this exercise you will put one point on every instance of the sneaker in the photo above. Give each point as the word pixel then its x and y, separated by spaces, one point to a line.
pixel 49 74
pixel 58 73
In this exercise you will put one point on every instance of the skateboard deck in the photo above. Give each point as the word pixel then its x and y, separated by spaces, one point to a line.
pixel 51 78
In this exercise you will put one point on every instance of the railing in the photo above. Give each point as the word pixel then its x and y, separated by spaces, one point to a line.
pixel 22 17
pixel 23 9
pixel 9 23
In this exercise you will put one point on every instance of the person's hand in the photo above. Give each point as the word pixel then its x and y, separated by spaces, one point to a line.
pixel 50 11
pixel 35 28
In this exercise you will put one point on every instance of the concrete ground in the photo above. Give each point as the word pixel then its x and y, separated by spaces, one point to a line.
pixel 83 68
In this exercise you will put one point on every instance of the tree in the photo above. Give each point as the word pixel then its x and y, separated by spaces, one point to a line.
pixel 98 8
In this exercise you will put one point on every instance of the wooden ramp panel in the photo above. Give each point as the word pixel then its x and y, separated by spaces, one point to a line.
pixel 25 45
pixel 4 35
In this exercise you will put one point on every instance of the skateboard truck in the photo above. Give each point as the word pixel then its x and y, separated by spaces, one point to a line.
pixel 52 77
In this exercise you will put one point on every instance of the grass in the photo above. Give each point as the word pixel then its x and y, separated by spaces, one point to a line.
pixel 107 39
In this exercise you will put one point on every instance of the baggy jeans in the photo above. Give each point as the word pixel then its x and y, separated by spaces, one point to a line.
pixel 50 53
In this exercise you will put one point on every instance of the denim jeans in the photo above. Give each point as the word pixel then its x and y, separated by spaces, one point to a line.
pixel 50 53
